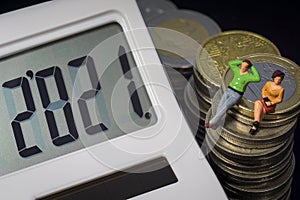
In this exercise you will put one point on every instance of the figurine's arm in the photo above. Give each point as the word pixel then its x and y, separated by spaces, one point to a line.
pixel 279 98
pixel 255 74
pixel 234 64
pixel 264 91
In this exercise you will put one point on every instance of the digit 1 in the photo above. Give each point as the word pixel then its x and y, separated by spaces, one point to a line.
pixel 134 97
pixel 62 103
pixel 89 94
pixel 26 115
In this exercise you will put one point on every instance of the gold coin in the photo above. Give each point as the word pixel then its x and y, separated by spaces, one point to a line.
pixel 251 165
pixel 280 193
pixel 252 177
pixel 218 158
pixel 285 118
pixel 204 87
pixel 238 133
pixel 248 155
pixel 217 50
pixel 274 185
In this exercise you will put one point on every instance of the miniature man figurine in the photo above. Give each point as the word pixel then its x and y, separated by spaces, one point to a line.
pixel 234 92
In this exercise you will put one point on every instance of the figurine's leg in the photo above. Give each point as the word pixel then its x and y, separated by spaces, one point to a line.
pixel 258 115
pixel 228 99
pixel 258 111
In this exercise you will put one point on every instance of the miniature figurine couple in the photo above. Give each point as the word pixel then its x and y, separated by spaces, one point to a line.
pixel 272 93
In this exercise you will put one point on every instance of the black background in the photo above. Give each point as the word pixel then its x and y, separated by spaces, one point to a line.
pixel 277 21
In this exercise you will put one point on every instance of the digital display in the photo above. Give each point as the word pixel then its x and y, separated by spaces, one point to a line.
pixel 69 94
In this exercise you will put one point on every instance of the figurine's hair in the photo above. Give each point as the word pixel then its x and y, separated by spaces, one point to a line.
pixel 278 73
pixel 248 62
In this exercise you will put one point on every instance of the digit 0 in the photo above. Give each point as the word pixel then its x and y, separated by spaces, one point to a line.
pixel 63 104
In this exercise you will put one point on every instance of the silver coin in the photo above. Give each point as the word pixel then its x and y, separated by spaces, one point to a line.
pixel 267 64
pixel 188 23
pixel 265 69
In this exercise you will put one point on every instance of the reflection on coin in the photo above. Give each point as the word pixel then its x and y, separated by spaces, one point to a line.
pixel 152 8
pixel 229 45
pixel 267 64
pixel 191 23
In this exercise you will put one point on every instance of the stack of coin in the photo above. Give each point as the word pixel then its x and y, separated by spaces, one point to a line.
pixel 212 59
pixel 195 111
pixel 259 166
pixel 177 34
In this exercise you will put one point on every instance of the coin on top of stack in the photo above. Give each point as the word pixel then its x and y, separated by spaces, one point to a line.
pixel 212 59
pixel 266 64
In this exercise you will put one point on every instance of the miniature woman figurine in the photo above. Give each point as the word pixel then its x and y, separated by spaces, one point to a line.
pixel 272 94
pixel 242 77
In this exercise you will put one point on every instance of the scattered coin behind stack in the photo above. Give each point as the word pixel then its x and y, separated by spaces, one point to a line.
pixel 185 30
pixel 194 25
pixel 152 8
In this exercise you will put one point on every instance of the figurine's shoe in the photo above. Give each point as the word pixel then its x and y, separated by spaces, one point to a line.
pixel 207 125
pixel 254 129
pixel 212 126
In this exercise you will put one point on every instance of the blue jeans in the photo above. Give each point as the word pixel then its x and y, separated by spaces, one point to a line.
pixel 228 99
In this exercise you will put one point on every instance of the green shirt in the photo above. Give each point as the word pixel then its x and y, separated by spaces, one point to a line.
pixel 240 81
